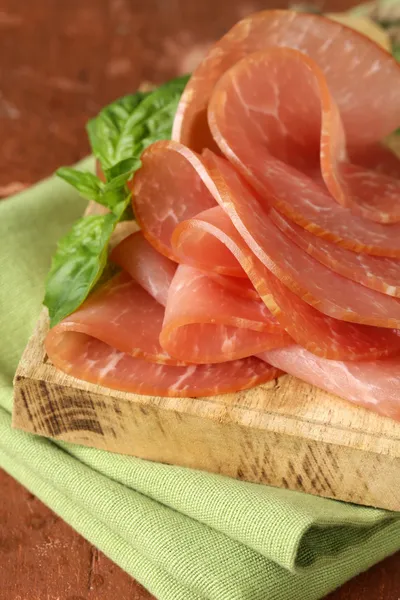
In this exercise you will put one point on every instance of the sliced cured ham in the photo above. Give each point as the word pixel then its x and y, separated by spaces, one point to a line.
pixel 374 385
pixel 208 323
pixel 303 132
pixel 280 246
pixel 361 76
pixel 327 337
pixel 207 320
pixel 164 194
pixel 85 357
pixel 376 272
pixel 317 285
pixel 238 285
pixel 279 143
pixel 153 271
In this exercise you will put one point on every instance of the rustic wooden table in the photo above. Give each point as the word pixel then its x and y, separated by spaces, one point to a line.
pixel 60 62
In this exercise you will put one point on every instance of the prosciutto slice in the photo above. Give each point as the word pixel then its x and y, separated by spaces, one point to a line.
pixel 360 74
pixel 319 333
pixel 374 385
pixel 120 314
pixel 317 285
pixel 86 357
pixel 164 192
pixel 207 319
pixel 376 272
pixel 208 323
pixel 302 132
pixel 289 153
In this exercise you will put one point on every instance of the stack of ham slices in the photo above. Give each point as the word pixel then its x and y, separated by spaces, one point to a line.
pixel 270 228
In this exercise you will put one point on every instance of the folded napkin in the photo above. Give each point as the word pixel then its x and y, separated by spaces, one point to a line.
pixel 183 534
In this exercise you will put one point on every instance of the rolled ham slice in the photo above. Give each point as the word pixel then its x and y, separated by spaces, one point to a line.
pixel 374 385
pixel 289 149
pixel 120 314
pixel 207 319
pixel 360 74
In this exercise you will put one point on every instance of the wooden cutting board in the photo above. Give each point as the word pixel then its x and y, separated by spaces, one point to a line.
pixel 285 433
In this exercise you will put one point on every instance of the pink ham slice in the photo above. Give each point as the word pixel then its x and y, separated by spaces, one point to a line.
pixel 361 76
pixel 87 358
pixel 374 385
pixel 207 320
pixel 376 272
pixel 309 279
pixel 208 323
pixel 323 335
pixel 165 193
pixel 153 271
pixel 277 143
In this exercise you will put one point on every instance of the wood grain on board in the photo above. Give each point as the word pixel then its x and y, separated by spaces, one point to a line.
pixel 60 62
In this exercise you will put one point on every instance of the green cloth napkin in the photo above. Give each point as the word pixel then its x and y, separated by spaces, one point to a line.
pixel 183 534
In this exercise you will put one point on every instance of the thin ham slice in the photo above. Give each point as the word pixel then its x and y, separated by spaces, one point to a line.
pixel 319 333
pixel 153 271
pixel 376 272
pixel 361 76
pixel 317 285
pixel 208 323
pixel 374 385
pixel 87 358
pixel 289 153
pixel 164 194
pixel 304 131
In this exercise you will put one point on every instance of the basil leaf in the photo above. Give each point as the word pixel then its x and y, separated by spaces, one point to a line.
pixel 109 126
pixel 87 184
pixel 126 127
pixel 79 262
pixel 121 172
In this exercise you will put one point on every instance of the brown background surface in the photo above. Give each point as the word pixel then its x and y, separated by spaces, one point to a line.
pixel 60 62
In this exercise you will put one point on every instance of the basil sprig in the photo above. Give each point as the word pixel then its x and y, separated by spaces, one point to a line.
pixel 118 136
